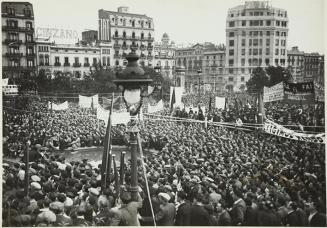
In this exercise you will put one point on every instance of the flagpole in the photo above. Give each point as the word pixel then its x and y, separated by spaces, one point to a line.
pixel 106 157
pixel 116 175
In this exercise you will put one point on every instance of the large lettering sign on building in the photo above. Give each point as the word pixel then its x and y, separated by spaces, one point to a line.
pixel 55 34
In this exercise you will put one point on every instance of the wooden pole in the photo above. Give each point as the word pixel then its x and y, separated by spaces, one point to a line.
pixel 122 170
pixel 116 174
pixel 27 178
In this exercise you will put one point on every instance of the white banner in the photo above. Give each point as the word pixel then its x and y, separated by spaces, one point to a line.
pixel 178 96
pixel 55 107
pixel 274 93
pixel 276 129
pixel 220 102
pixel 86 102
pixel 4 81
pixel 156 108
pixel 120 118
pixel 102 114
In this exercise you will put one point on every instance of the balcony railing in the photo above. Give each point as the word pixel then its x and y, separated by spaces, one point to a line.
pixel 30 55
pixel 57 64
pixel 16 28
pixel 86 64
pixel 66 64
pixel 12 41
pixel 76 64
pixel 14 55
pixel 117 46
pixel 126 37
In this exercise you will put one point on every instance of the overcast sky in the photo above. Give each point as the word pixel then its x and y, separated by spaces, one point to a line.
pixel 185 21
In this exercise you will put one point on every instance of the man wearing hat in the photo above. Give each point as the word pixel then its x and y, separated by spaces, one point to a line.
pixel 183 210
pixel 199 215
pixel 166 214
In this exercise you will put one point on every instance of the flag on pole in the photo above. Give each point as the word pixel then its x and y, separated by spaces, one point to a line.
pixel 173 100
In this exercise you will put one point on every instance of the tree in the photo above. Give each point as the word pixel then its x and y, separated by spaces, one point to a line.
pixel 278 74
pixel 255 85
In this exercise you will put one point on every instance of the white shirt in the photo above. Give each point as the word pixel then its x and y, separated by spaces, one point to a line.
pixel 311 215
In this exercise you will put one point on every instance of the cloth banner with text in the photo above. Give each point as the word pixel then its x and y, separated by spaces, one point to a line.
pixel 276 129
pixel 273 93
pixel 117 117
pixel 4 81
pixel 59 107
pixel 156 108
pixel 220 102
pixel 319 92
pixel 86 102
pixel 303 92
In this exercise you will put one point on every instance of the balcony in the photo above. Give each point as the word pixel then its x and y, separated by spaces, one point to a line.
pixel 66 64
pixel 124 47
pixel 94 64
pixel 14 55
pixel 117 46
pixel 77 64
pixel 150 39
pixel 142 48
pixel 30 55
pixel 86 64
pixel 117 56
pixel 134 37
pixel 57 64
pixel 12 41
pixel 135 47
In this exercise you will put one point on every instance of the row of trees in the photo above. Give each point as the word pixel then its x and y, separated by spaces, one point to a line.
pixel 261 77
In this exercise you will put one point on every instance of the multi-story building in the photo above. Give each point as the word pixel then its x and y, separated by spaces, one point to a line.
pixel 73 59
pixel 125 31
pixel 256 35
pixel 311 66
pixel 295 61
pixel 208 58
pixel 90 36
pixel 18 44
pixel 164 56
pixel 321 79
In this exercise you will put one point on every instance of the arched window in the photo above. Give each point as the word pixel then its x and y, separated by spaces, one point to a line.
pixel 142 35
pixel 167 63
pixel 124 43
pixel 124 34
pixel 149 24
pixel 133 23
pixel 116 33
pixel 133 34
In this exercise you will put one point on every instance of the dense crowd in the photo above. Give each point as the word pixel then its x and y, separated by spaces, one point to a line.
pixel 213 176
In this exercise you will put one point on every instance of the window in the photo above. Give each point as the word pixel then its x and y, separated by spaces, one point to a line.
pixel 243 51
pixel 276 61
pixel 276 51
pixel 124 34
pixel 250 42
pixel 277 23
pixel 243 33
pixel 268 33
pixel 242 79
pixel 108 61
pixel 267 51
pixel 56 59
pixel 231 43
pixel 76 60
pixel 133 25
pixel 277 42
pixel 255 42
pixel 86 60
pixel 260 51
pixel 255 51
pixel 231 52
pixel 277 33
pixel 103 60
pixel 231 62
pixel 29 37
pixel 283 43
pixel 231 24
pixel 231 34
pixel 267 62
pixel 243 42
pixel 284 24
pixel 47 60
pixel 250 62
pixel 28 25
pixel 133 34
pixel 94 61
pixel 268 23
pixel 243 23
pixel 243 62
pixel 66 60
pixel 116 33
pixel 250 51
pixel 243 70
pixel 142 35
pixel 41 61
pixel 267 42
pixel 230 78
pixel 149 24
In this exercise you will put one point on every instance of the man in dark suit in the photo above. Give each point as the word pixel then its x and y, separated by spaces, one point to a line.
pixel 199 215
pixel 239 208
pixel 316 218
pixel 183 210
pixel 295 215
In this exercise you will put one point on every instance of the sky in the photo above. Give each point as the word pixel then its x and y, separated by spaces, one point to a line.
pixel 185 21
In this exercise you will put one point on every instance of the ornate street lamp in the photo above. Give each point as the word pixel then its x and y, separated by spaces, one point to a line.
pixel 134 84
pixel 199 74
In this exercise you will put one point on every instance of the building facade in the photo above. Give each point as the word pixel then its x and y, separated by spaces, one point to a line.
pixel 18 44
pixel 75 60
pixel 209 59
pixel 295 61
pixel 164 56
pixel 125 31
pixel 256 35
pixel 90 36
pixel 312 68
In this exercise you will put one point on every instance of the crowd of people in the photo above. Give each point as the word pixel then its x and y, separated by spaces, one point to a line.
pixel 201 176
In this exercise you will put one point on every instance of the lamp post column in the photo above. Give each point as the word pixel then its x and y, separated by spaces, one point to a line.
pixel 199 74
